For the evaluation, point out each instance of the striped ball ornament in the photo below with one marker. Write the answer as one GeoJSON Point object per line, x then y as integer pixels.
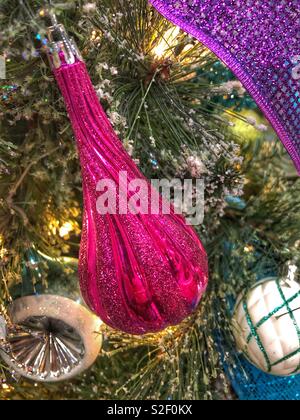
{"type": "Point", "coordinates": [266, 326]}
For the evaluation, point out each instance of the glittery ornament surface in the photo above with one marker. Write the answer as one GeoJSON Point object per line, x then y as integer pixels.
{"type": "Point", "coordinates": [259, 41]}
{"type": "Point", "coordinates": [139, 272]}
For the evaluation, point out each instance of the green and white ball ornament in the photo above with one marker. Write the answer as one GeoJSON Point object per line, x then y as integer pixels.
{"type": "Point", "coordinates": [266, 326]}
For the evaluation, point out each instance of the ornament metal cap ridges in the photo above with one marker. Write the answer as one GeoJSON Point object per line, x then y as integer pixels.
{"type": "Point", "coordinates": [49, 338]}
{"type": "Point", "coordinates": [61, 45]}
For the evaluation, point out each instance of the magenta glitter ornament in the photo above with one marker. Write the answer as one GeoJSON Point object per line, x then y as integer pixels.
{"type": "Point", "coordinates": [259, 40]}
{"type": "Point", "coordinates": [139, 272]}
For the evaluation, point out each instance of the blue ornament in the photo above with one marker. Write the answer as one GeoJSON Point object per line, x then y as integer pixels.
{"type": "Point", "coordinates": [235, 202]}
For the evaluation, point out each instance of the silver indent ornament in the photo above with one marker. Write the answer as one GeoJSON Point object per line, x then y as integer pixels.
{"type": "Point", "coordinates": [50, 338]}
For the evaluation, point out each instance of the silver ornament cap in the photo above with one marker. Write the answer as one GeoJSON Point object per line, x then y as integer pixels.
{"type": "Point", "coordinates": [62, 48]}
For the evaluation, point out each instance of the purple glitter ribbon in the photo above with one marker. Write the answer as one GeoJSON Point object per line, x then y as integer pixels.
{"type": "Point", "coordinates": [259, 40]}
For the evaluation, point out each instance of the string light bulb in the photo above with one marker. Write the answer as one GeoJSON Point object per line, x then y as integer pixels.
{"type": "Point", "coordinates": [168, 41]}
{"type": "Point", "coordinates": [65, 230]}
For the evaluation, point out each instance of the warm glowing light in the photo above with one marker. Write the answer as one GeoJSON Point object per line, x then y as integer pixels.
{"type": "Point", "coordinates": [65, 226]}
{"type": "Point", "coordinates": [249, 248]}
{"type": "Point", "coordinates": [95, 36]}
{"type": "Point", "coordinates": [6, 388]}
{"type": "Point", "coordinates": [65, 229]}
{"type": "Point", "coordinates": [53, 227]}
{"type": "Point", "coordinates": [3, 252]}
{"type": "Point", "coordinates": [164, 47]}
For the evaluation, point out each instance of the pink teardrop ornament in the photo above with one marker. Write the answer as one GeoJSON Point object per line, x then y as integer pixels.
{"type": "Point", "coordinates": [139, 272]}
